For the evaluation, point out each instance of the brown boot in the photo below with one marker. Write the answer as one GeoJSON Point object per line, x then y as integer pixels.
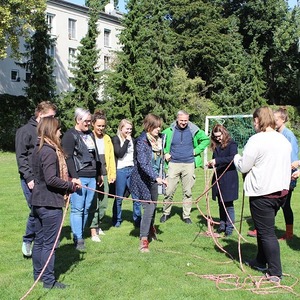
{"type": "Point", "coordinates": [144, 244]}
{"type": "Point", "coordinates": [288, 233]}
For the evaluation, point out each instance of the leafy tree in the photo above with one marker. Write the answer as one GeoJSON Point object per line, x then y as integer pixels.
{"type": "Point", "coordinates": [275, 30]}
{"type": "Point", "coordinates": [16, 19]}
{"type": "Point", "coordinates": [142, 79]}
{"type": "Point", "coordinates": [39, 64]}
{"type": "Point", "coordinates": [190, 95]}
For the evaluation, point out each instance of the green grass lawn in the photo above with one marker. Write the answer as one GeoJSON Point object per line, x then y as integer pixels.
{"type": "Point", "coordinates": [114, 268]}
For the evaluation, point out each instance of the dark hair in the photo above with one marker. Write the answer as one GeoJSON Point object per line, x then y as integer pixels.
{"type": "Point", "coordinates": [225, 139]}
{"type": "Point", "coordinates": [265, 117]}
{"type": "Point", "coordinates": [98, 115]}
{"type": "Point", "coordinates": [47, 128]}
{"type": "Point", "coordinates": [152, 121]}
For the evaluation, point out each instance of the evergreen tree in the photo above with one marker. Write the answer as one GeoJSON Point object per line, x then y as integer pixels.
{"type": "Point", "coordinates": [39, 64]}
{"type": "Point", "coordinates": [87, 78]}
{"type": "Point", "coordinates": [142, 79]}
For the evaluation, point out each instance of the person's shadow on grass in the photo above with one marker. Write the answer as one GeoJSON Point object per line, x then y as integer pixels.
{"type": "Point", "coordinates": [67, 259]}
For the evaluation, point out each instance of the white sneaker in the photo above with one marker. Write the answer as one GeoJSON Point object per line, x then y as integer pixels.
{"type": "Point", "coordinates": [100, 231]}
{"type": "Point", "coordinates": [95, 238]}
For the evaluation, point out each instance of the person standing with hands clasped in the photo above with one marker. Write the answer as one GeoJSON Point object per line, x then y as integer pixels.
{"type": "Point", "coordinates": [48, 198]}
{"type": "Point", "coordinates": [227, 190]}
{"type": "Point", "coordinates": [266, 161]}
{"type": "Point", "coordinates": [183, 147]}
{"type": "Point", "coordinates": [105, 151]}
{"type": "Point", "coordinates": [144, 178]}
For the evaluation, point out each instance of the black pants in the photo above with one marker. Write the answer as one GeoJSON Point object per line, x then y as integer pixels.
{"type": "Point", "coordinates": [47, 223]}
{"type": "Point", "coordinates": [263, 212]}
{"type": "Point", "coordinates": [287, 209]}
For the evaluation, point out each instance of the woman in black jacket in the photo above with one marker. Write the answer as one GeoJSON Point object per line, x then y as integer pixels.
{"type": "Point", "coordinates": [224, 149]}
{"type": "Point", "coordinates": [48, 197]}
{"type": "Point", "coordinates": [82, 161]}
{"type": "Point", "coordinates": [124, 155]}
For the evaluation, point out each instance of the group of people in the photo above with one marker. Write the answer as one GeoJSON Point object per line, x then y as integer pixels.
{"type": "Point", "coordinates": [269, 163]}
{"type": "Point", "coordinates": [87, 160]}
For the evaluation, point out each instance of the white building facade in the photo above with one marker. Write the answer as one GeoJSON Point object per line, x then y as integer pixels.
{"type": "Point", "coordinates": [68, 25]}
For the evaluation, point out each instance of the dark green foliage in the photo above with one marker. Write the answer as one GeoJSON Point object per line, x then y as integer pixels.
{"type": "Point", "coordinates": [41, 84]}
{"type": "Point", "coordinates": [86, 79]}
{"type": "Point", "coordinates": [15, 112]}
{"type": "Point", "coordinates": [142, 80]}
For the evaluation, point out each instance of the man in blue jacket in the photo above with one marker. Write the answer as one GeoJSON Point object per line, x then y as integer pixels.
{"type": "Point", "coordinates": [183, 147]}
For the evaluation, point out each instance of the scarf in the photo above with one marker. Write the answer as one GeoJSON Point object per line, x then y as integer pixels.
{"type": "Point", "coordinates": [63, 169]}
{"type": "Point", "coordinates": [156, 143]}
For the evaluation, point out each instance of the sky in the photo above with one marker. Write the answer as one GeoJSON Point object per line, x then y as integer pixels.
{"type": "Point", "coordinates": [82, 2]}
{"type": "Point", "coordinates": [292, 3]}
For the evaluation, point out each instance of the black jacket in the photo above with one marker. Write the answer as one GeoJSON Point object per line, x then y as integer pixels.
{"type": "Point", "coordinates": [121, 151]}
{"type": "Point", "coordinates": [81, 163]}
{"type": "Point", "coordinates": [25, 141]}
{"type": "Point", "coordinates": [49, 188]}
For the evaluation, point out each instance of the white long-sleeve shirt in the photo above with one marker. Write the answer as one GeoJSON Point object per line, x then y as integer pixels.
{"type": "Point", "coordinates": [267, 161]}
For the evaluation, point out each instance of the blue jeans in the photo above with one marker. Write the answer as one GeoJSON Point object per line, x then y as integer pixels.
{"type": "Point", "coordinates": [122, 182]}
{"type": "Point", "coordinates": [47, 223]}
{"type": "Point", "coordinates": [29, 235]}
{"type": "Point", "coordinates": [81, 201]}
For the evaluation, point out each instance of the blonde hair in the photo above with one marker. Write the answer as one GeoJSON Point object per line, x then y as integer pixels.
{"type": "Point", "coordinates": [121, 125]}
{"type": "Point", "coordinates": [265, 117]}
{"type": "Point", "coordinates": [283, 114]}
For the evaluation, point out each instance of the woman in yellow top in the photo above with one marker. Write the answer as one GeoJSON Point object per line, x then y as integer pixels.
{"type": "Point", "coordinates": [105, 150]}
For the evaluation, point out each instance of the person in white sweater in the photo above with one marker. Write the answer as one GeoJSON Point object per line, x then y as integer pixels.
{"type": "Point", "coordinates": [266, 161]}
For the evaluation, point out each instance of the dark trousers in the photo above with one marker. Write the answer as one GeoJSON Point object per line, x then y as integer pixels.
{"type": "Point", "coordinates": [287, 209]}
{"type": "Point", "coordinates": [263, 212]}
{"type": "Point", "coordinates": [28, 237]}
{"type": "Point", "coordinates": [226, 223]}
{"type": "Point", "coordinates": [149, 211]}
{"type": "Point", "coordinates": [47, 223]}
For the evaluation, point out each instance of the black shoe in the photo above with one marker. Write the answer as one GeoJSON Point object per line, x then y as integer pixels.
{"type": "Point", "coordinates": [254, 264]}
{"type": "Point", "coordinates": [187, 221]}
{"type": "Point", "coordinates": [221, 229]}
{"type": "Point", "coordinates": [55, 285]}
{"type": "Point", "coordinates": [164, 218]}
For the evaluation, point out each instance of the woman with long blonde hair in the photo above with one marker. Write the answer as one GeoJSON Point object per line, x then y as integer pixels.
{"type": "Point", "coordinates": [124, 154]}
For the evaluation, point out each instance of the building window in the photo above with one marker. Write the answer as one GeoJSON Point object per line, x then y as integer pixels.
{"type": "Point", "coordinates": [72, 29]}
{"type": "Point", "coordinates": [51, 51]}
{"type": "Point", "coordinates": [106, 62]}
{"type": "Point", "coordinates": [50, 19]}
{"type": "Point", "coordinates": [106, 37]}
{"type": "Point", "coordinates": [14, 75]}
{"type": "Point", "coordinates": [72, 57]}
{"type": "Point", "coordinates": [27, 77]}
